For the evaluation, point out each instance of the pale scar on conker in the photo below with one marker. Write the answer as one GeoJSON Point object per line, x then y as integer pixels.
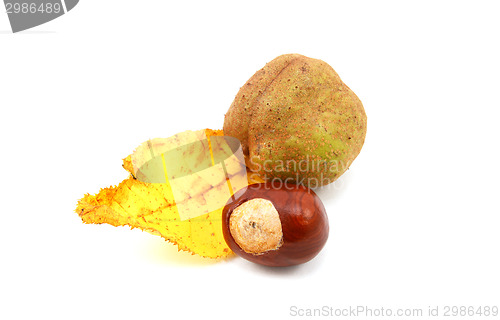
{"type": "Point", "coordinates": [256, 226]}
{"type": "Point", "coordinates": [275, 225]}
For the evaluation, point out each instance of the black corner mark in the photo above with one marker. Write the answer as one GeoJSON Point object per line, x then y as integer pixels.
{"type": "Point", "coordinates": [26, 14]}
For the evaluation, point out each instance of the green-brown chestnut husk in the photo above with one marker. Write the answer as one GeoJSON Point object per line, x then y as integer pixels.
{"type": "Point", "coordinates": [275, 225]}
{"type": "Point", "coordinates": [297, 120]}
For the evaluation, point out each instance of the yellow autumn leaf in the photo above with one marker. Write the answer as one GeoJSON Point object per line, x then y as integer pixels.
{"type": "Point", "coordinates": [151, 207]}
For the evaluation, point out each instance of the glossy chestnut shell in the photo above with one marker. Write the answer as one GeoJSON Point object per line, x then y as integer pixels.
{"type": "Point", "coordinates": [303, 220]}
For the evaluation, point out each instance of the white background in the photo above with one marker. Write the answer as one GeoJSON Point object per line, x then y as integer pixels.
{"type": "Point", "coordinates": [414, 222]}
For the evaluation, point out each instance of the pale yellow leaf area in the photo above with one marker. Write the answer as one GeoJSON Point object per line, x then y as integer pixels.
{"type": "Point", "coordinates": [151, 207]}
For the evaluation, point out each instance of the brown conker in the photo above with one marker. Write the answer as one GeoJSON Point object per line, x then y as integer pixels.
{"type": "Point", "coordinates": [275, 226]}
